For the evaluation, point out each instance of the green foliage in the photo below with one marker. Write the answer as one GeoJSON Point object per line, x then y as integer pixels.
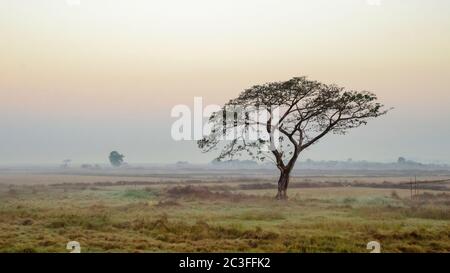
{"type": "Point", "coordinates": [116, 159]}
{"type": "Point", "coordinates": [138, 194]}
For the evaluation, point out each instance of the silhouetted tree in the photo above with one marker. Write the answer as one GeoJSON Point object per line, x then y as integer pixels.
{"type": "Point", "coordinates": [307, 111]}
{"type": "Point", "coordinates": [66, 163]}
{"type": "Point", "coordinates": [401, 160]}
{"type": "Point", "coordinates": [116, 159]}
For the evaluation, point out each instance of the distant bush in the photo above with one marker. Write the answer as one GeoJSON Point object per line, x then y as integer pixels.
{"type": "Point", "coordinates": [167, 203]}
{"type": "Point", "coordinates": [201, 192]}
{"type": "Point", "coordinates": [394, 195]}
{"type": "Point", "coordinates": [257, 186]}
{"type": "Point", "coordinates": [139, 194]}
{"type": "Point", "coordinates": [13, 192]}
{"type": "Point", "coordinates": [27, 222]}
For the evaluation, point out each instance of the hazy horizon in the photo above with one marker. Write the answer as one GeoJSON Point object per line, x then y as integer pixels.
{"type": "Point", "coordinates": [78, 81]}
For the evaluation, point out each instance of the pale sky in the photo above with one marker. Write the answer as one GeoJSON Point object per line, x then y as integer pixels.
{"type": "Point", "coordinates": [77, 81]}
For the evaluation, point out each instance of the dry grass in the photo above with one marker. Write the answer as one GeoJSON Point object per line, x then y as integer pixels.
{"type": "Point", "coordinates": [216, 218]}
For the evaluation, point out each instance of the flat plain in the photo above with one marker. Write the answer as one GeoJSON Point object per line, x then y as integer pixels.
{"type": "Point", "coordinates": [191, 212]}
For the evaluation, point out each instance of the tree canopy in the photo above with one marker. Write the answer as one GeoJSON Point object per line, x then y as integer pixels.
{"type": "Point", "coordinates": [299, 112]}
{"type": "Point", "coordinates": [116, 158]}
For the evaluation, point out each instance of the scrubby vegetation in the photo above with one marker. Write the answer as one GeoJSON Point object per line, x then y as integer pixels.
{"type": "Point", "coordinates": [155, 217]}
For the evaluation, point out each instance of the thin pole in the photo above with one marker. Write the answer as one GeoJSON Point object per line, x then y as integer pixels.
{"type": "Point", "coordinates": [415, 181]}
{"type": "Point", "coordinates": [411, 183]}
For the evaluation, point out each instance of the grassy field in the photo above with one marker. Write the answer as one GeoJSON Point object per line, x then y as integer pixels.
{"type": "Point", "coordinates": [220, 217]}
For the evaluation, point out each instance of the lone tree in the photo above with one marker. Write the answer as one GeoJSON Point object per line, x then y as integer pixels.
{"type": "Point", "coordinates": [116, 159]}
{"type": "Point", "coordinates": [299, 113]}
{"type": "Point", "coordinates": [66, 163]}
{"type": "Point", "coordinates": [401, 160]}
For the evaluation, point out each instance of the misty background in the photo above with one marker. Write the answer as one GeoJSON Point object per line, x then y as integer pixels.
{"type": "Point", "coordinates": [77, 82]}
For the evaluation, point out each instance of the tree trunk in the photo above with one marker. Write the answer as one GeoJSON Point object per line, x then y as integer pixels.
{"type": "Point", "coordinates": [283, 183]}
